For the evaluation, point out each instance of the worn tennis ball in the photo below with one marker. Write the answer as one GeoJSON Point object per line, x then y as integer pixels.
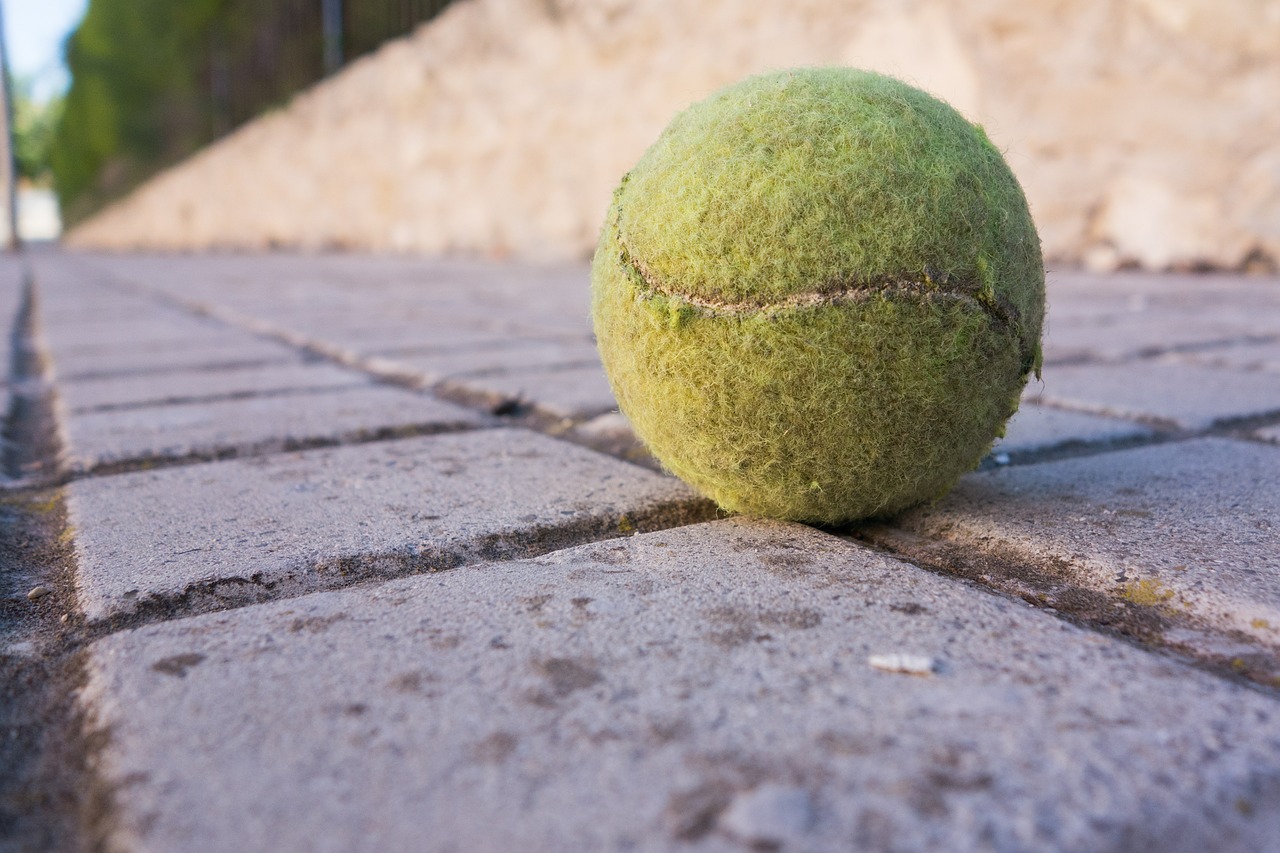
{"type": "Point", "coordinates": [818, 295]}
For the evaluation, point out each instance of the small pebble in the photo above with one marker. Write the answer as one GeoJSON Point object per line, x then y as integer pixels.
{"type": "Point", "coordinates": [38, 593]}
{"type": "Point", "coordinates": [909, 664]}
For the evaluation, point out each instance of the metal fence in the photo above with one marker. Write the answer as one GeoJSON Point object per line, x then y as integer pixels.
{"type": "Point", "coordinates": [270, 49]}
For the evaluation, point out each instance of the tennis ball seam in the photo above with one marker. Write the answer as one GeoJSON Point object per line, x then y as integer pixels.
{"type": "Point", "coordinates": [1000, 311]}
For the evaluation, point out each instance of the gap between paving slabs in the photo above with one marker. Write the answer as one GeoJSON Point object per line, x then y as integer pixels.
{"type": "Point", "coordinates": [51, 751]}
{"type": "Point", "coordinates": [711, 678]}
{"type": "Point", "coordinates": [492, 396]}
{"type": "Point", "coordinates": [1174, 545]}
{"type": "Point", "coordinates": [1012, 569]}
{"type": "Point", "coordinates": [658, 502]}
{"type": "Point", "coordinates": [226, 534]}
{"type": "Point", "coordinates": [43, 736]}
{"type": "Point", "coordinates": [506, 555]}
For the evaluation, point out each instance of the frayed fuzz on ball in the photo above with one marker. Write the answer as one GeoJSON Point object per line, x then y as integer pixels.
{"type": "Point", "coordinates": [818, 296]}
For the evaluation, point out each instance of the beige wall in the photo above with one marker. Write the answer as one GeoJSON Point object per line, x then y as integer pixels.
{"type": "Point", "coordinates": [1144, 131]}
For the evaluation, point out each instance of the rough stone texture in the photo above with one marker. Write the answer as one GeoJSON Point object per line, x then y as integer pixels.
{"type": "Point", "coordinates": [1144, 130]}
{"type": "Point", "coordinates": [704, 686]}
{"type": "Point", "coordinates": [492, 333]}
{"type": "Point", "coordinates": [374, 304]}
{"type": "Point", "coordinates": [1182, 395]}
{"type": "Point", "coordinates": [153, 328]}
{"type": "Point", "coordinates": [1128, 315]}
{"type": "Point", "coordinates": [236, 351]}
{"type": "Point", "coordinates": [204, 535]}
{"type": "Point", "coordinates": [210, 429]}
{"type": "Point", "coordinates": [93, 329]}
{"type": "Point", "coordinates": [188, 386]}
{"type": "Point", "coordinates": [1037, 428]}
{"type": "Point", "coordinates": [1191, 529]}
{"type": "Point", "coordinates": [1240, 356]}
{"type": "Point", "coordinates": [461, 361]}
{"type": "Point", "coordinates": [578, 392]}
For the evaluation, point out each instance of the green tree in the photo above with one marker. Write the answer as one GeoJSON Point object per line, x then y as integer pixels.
{"type": "Point", "coordinates": [153, 80]}
{"type": "Point", "coordinates": [33, 129]}
{"type": "Point", "coordinates": [135, 102]}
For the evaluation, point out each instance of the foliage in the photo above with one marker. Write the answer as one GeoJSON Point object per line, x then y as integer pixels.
{"type": "Point", "coordinates": [132, 102]}
{"type": "Point", "coordinates": [33, 127]}
{"type": "Point", "coordinates": [153, 80]}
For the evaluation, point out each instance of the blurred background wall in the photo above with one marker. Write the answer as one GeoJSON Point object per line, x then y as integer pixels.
{"type": "Point", "coordinates": [1145, 132]}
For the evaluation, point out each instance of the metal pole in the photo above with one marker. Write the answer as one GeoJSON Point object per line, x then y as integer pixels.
{"type": "Point", "coordinates": [331, 23]}
{"type": "Point", "coordinates": [9, 173]}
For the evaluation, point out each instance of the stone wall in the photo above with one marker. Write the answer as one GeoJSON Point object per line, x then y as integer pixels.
{"type": "Point", "coordinates": [1146, 132]}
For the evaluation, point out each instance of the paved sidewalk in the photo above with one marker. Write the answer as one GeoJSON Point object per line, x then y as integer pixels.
{"type": "Point", "coordinates": [357, 555]}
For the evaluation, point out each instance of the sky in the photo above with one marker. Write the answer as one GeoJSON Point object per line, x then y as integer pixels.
{"type": "Point", "coordinates": [34, 31]}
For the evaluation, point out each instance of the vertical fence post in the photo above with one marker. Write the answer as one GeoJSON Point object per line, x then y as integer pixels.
{"type": "Point", "coordinates": [9, 178]}
{"type": "Point", "coordinates": [331, 22]}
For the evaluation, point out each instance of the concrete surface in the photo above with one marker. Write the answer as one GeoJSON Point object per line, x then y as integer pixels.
{"type": "Point", "coordinates": [254, 527]}
{"type": "Point", "coordinates": [1191, 528]}
{"type": "Point", "coordinates": [170, 387]}
{"type": "Point", "coordinates": [1035, 428]}
{"type": "Point", "coordinates": [310, 587]}
{"type": "Point", "coordinates": [226, 427]}
{"type": "Point", "coordinates": [705, 687]}
{"type": "Point", "coordinates": [1184, 396]}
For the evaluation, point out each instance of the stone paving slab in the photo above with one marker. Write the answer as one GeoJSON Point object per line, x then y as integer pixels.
{"type": "Point", "coordinates": [516, 357]}
{"type": "Point", "coordinates": [1120, 316]}
{"type": "Point", "coordinates": [230, 352]}
{"type": "Point", "coordinates": [1128, 336]}
{"type": "Point", "coordinates": [571, 392]}
{"type": "Point", "coordinates": [398, 293]}
{"type": "Point", "coordinates": [702, 688]}
{"type": "Point", "coordinates": [1037, 428]}
{"type": "Point", "coordinates": [248, 529]}
{"type": "Point", "coordinates": [1248, 356]}
{"type": "Point", "coordinates": [1182, 395]}
{"type": "Point", "coordinates": [211, 429]}
{"type": "Point", "coordinates": [1190, 529]}
{"type": "Point", "coordinates": [1076, 294]}
{"type": "Point", "coordinates": [155, 328]}
{"type": "Point", "coordinates": [131, 391]}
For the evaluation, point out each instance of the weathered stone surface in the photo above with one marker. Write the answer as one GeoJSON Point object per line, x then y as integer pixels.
{"type": "Point", "coordinates": [1244, 356]}
{"type": "Point", "coordinates": [370, 305]}
{"type": "Point", "coordinates": [132, 391]}
{"type": "Point", "coordinates": [1129, 315]}
{"type": "Point", "coordinates": [1165, 391]}
{"type": "Point", "coordinates": [1143, 130]}
{"type": "Point", "coordinates": [210, 429]}
{"type": "Point", "coordinates": [1190, 530]}
{"type": "Point", "coordinates": [1038, 428]}
{"type": "Point", "coordinates": [230, 353]}
{"type": "Point", "coordinates": [144, 330]}
{"type": "Point", "coordinates": [573, 392]}
{"type": "Point", "coordinates": [509, 357]}
{"type": "Point", "coordinates": [203, 535]}
{"type": "Point", "coordinates": [702, 686]}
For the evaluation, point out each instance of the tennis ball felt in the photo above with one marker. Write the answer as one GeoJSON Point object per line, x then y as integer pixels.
{"type": "Point", "coordinates": [818, 295]}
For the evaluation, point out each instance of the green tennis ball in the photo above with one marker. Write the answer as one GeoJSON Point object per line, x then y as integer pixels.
{"type": "Point", "coordinates": [818, 295]}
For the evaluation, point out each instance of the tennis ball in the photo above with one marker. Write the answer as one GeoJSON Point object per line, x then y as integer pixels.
{"type": "Point", "coordinates": [818, 295]}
